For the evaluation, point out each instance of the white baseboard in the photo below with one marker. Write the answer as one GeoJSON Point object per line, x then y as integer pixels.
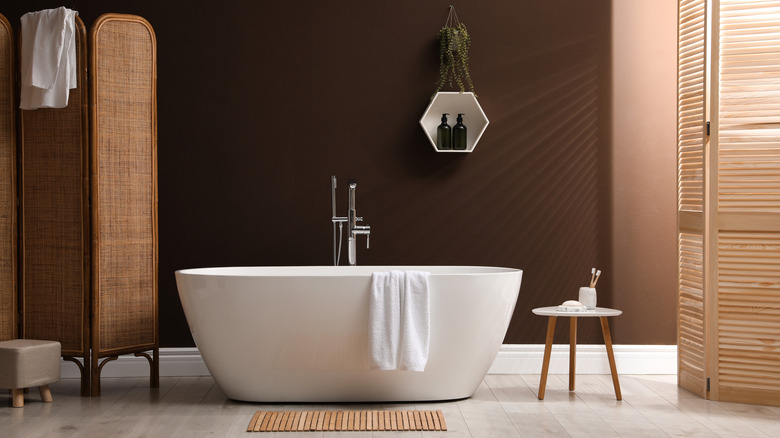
{"type": "Point", "coordinates": [511, 359]}
{"type": "Point", "coordinates": [591, 359]}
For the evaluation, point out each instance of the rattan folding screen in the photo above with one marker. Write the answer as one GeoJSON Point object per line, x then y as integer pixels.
{"type": "Point", "coordinates": [123, 104]}
{"type": "Point", "coordinates": [54, 227]}
{"type": "Point", "coordinates": [7, 185]}
{"type": "Point", "coordinates": [88, 228]}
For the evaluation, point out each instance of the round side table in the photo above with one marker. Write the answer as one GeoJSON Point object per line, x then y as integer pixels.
{"type": "Point", "coordinates": [552, 313]}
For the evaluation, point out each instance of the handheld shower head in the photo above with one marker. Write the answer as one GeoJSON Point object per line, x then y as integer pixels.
{"type": "Point", "coordinates": [333, 195]}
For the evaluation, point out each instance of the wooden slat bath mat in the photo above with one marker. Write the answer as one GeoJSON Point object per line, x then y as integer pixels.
{"type": "Point", "coordinates": [298, 421]}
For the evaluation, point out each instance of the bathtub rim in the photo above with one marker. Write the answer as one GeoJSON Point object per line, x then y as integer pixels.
{"type": "Point", "coordinates": [342, 271]}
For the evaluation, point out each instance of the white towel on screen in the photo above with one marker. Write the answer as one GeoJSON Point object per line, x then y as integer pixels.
{"type": "Point", "coordinates": [48, 58]}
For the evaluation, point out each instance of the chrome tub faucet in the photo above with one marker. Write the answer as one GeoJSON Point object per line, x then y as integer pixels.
{"type": "Point", "coordinates": [351, 220]}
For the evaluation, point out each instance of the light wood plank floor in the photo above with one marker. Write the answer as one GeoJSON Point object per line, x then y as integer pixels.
{"type": "Point", "coordinates": [503, 406]}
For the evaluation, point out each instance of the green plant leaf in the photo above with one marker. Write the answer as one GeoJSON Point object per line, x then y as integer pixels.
{"type": "Point", "coordinates": [454, 45]}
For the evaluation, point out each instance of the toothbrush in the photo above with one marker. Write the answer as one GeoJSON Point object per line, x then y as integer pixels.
{"type": "Point", "coordinates": [592, 276]}
{"type": "Point", "coordinates": [595, 279]}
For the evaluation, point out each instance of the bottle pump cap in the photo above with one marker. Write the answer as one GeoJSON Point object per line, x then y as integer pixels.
{"type": "Point", "coordinates": [460, 116]}
{"type": "Point", "coordinates": [444, 117]}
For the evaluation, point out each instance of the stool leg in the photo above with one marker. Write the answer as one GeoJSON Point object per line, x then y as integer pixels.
{"type": "Point", "coordinates": [572, 350]}
{"type": "Point", "coordinates": [547, 352]}
{"type": "Point", "coordinates": [610, 356]}
{"type": "Point", "coordinates": [45, 393]}
{"type": "Point", "coordinates": [18, 396]}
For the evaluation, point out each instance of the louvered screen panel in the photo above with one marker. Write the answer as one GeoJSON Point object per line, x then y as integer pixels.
{"type": "Point", "coordinates": [691, 313]}
{"type": "Point", "coordinates": [749, 317]}
{"type": "Point", "coordinates": [749, 202]}
{"type": "Point", "coordinates": [124, 185]}
{"type": "Point", "coordinates": [53, 171]}
{"type": "Point", "coordinates": [749, 114]}
{"type": "Point", "coordinates": [7, 185]}
{"type": "Point", "coordinates": [690, 99]}
{"type": "Point", "coordinates": [690, 179]}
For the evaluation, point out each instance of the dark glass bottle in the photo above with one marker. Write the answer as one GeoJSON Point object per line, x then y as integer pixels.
{"type": "Point", "coordinates": [459, 134]}
{"type": "Point", "coordinates": [444, 134]}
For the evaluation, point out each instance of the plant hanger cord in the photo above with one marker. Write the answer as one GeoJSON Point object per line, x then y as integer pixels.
{"type": "Point", "coordinates": [452, 18]}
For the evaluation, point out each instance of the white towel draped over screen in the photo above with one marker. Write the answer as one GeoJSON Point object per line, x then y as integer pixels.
{"type": "Point", "coordinates": [399, 320]}
{"type": "Point", "coordinates": [48, 58]}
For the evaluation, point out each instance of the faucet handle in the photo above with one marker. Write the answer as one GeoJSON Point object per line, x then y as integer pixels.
{"type": "Point", "coordinates": [364, 230]}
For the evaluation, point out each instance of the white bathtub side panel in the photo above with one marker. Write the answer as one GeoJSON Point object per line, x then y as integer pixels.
{"type": "Point", "coordinates": [305, 338]}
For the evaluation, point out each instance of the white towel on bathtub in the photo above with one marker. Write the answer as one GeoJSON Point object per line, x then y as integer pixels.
{"type": "Point", "coordinates": [399, 320]}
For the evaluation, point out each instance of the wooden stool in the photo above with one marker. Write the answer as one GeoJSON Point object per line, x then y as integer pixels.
{"type": "Point", "coordinates": [25, 363]}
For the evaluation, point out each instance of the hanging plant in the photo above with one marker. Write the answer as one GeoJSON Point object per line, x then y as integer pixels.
{"type": "Point", "coordinates": [454, 44]}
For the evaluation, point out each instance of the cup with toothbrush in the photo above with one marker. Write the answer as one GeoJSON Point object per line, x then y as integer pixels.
{"type": "Point", "coordinates": [588, 294]}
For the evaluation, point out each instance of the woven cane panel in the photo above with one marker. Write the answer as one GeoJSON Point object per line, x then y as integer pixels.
{"type": "Point", "coordinates": [7, 187]}
{"type": "Point", "coordinates": [53, 171]}
{"type": "Point", "coordinates": [125, 184]}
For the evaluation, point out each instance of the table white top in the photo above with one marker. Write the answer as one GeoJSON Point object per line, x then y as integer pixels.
{"type": "Point", "coordinates": [599, 311]}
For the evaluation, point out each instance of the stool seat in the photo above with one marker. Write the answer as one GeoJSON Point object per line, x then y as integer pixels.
{"type": "Point", "coordinates": [27, 363]}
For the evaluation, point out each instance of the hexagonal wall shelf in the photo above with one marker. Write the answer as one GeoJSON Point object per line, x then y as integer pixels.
{"type": "Point", "coordinates": [454, 103]}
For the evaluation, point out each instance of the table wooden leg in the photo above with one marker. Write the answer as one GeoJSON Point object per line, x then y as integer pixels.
{"type": "Point", "coordinates": [572, 350]}
{"type": "Point", "coordinates": [547, 351]}
{"type": "Point", "coordinates": [610, 355]}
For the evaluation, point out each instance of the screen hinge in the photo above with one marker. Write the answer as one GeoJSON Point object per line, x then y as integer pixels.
{"type": "Point", "coordinates": [708, 127]}
{"type": "Point", "coordinates": [708, 384]}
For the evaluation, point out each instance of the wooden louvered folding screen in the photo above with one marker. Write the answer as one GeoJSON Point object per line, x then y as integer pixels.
{"type": "Point", "coordinates": [747, 123]}
{"type": "Point", "coordinates": [735, 260]}
{"type": "Point", "coordinates": [691, 146]}
{"type": "Point", "coordinates": [8, 231]}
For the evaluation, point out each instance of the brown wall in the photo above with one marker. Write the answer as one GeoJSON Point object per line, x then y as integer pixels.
{"type": "Point", "coordinates": [644, 169]}
{"type": "Point", "coordinates": [260, 102]}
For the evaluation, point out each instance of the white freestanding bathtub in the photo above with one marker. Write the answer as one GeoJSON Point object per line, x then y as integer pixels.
{"type": "Point", "coordinates": [300, 334]}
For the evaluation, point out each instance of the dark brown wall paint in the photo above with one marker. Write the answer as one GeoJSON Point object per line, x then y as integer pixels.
{"type": "Point", "coordinates": [260, 102]}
